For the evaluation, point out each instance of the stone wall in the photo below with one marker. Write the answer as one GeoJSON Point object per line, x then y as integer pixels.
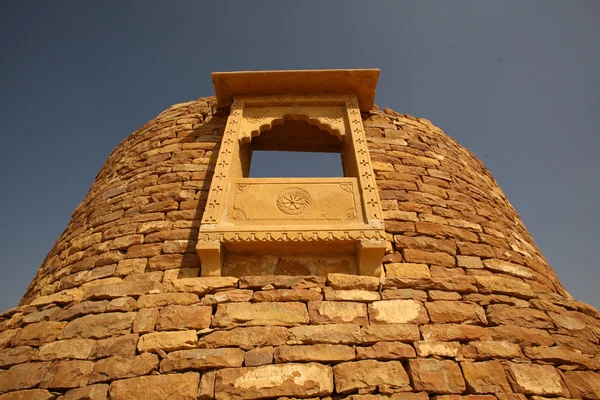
{"type": "Point", "coordinates": [468, 305]}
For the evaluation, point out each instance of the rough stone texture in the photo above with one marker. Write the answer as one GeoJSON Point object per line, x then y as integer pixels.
{"type": "Point", "coordinates": [302, 380]}
{"type": "Point", "coordinates": [119, 299]}
{"type": "Point", "coordinates": [157, 387]}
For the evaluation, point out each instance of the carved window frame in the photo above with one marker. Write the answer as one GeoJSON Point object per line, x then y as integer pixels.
{"type": "Point", "coordinates": [249, 116]}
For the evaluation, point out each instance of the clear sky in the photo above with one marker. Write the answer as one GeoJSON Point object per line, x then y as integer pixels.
{"type": "Point", "coordinates": [516, 82]}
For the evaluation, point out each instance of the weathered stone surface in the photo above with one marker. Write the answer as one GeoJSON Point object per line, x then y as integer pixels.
{"type": "Point", "coordinates": [434, 295]}
{"type": "Point", "coordinates": [393, 396]}
{"type": "Point", "coordinates": [199, 359]}
{"type": "Point", "coordinates": [425, 243]}
{"type": "Point", "coordinates": [508, 268]}
{"type": "Point", "coordinates": [117, 367]}
{"type": "Point", "coordinates": [67, 375]}
{"type": "Point", "coordinates": [503, 285]}
{"type": "Point", "coordinates": [204, 285]}
{"type": "Point", "coordinates": [282, 282]}
{"type": "Point", "coordinates": [317, 353]}
{"type": "Point", "coordinates": [33, 394]}
{"type": "Point", "coordinates": [16, 355]}
{"type": "Point", "coordinates": [451, 332]}
{"type": "Point", "coordinates": [132, 285]}
{"type": "Point", "coordinates": [145, 320]}
{"type": "Point", "coordinates": [404, 294]}
{"type": "Point", "coordinates": [166, 299]}
{"type": "Point", "coordinates": [258, 356]}
{"type": "Point", "coordinates": [259, 336]}
{"type": "Point", "coordinates": [543, 380]}
{"type": "Point", "coordinates": [443, 312]}
{"type": "Point", "coordinates": [157, 387]}
{"type": "Point", "coordinates": [38, 333]}
{"type": "Point", "coordinates": [351, 295]}
{"type": "Point", "coordinates": [70, 348]}
{"type": "Point", "coordinates": [436, 376]}
{"type": "Point", "coordinates": [91, 392]}
{"type": "Point", "coordinates": [522, 336]}
{"type": "Point", "coordinates": [492, 349]}
{"type": "Point", "coordinates": [397, 312]}
{"type": "Point", "coordinates": [228, 296]}
{"type": "Point", "coordinates": [351, 376]}
{"type": "Point", "coordinates": [390, 332]}
{"type": "Point", "coordinates": [501, 314]}
{"type": "Point", "coordinates": [385, 351]}
{"type": "Point", "coordinates": [337, 312]}
{"type": "Point", "coordinates": [350, 282]}
{"type": "Point", "coordinates": [485, 377]}
{"type": "Point", "coordinates": [167, 341]}
{"type": "Point", "coordinates": [99, 326]}
{"type": "Point", "coordinates": [428, 348]}
{"type": "Point", "coordinates": [470, 262]}
{"type": "Point", "coordinates": [303, 295]}
{"type": "Point", "coordinates": [184, 317]}
{"type": "Point", "coordinates": [407, 270]}
{"type": "Point", "coordinates": [284, 314]}
{"type": "Point", "coordinates": [83, 308]}
{"type": "Point", "coordinates": [206, 390]}
{"type": "Point", "coordinates": [22, 376]}
{"type": "Point", "coordinates": [587, 383]}
{"type": "Point", "coordinates": [123, 346]}
{"type": "Point", "coordinates": [48, 314]}
{"type": "Point", "coordinates": [334, 334]}
{"type": "Point", "coordinates": [429, 258]}
{"type": "Point", "coordinates": [301, 380]}
{"type": "Point", "coordinates": [7, 335]}
{"type": "Point", "coordinates": [558, 355]}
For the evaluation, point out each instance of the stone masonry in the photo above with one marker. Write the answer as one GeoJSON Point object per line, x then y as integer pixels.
{"type": "Point", "coordinates": [467, 308]}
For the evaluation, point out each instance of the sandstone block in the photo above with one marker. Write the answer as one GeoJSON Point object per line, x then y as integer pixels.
{"type": "Point", "coordinates": [390, 332]}
{"type": "Point", "coordinates": [38, 333]}
{"type": "Point", "coordinates": [157, 387]}
{"type": "Point", "coordinates": [337, 312]}
{"type": "Point", "coordinates": [523, 336]}
{"type": "Point", "coordinates": [542, 380]}
{"type": "Point", "coordinates": [167, 341]}
{"type": "Point", "coordinates": [259, 356]}
{"type": "Point", "coordinates": [485, 377]}
{"type": "Point", "coordinates": [351, 376]}
{"type": "Point", "coordinates": [83, 308]}
{"type": "Point", "coordinates": [492, 349]}
{"type": "Point", "coordinates": [501, 314]}
{"type": "Point", "coordinates": [204, 285]}
{"type": "Point", "coordinates": [407, 270]}
{"type": "Point", "coordinates": [99, 326]}
{"type": "Point", "coordinates": [184, 317]}
{"type": "Point", "coordinates": [503, 285]}
{"type": "Point", "coordinates": [145, 320]}
{"type": "Point", "coordinates": [349, 282]}
{"type": "Point", "coordinates": [404, 294]}
{"type": "Point", "coordinates": [435, 229]}
{"type": "Point", "coordinates": [559, 355]}
{"type": "Point", "coordinates": [144, 250]}
{"type": "Point", "coordinates": [470, 262]}
{"type": "Point", "coordinates": [165, 262]}
{"type": "Point", "coordinates": [258, 336]}
{"type": "Point", "coordinates": [452, 332]}
{"type": "Point", "coordinates": [298, 380]}
{"type": "Point", "coordinates": [132, 285]}
{"type": "Point", "coordinates": [434, 295]}
{"type": "Point", "coordinates": [91, 392]}
{"type": "Point", "coordinates": [228, 296]}
{"type": "Point", "coordinates": [397, 312]}
{"type": "Point", "coordinates": [166, 299]}
{"type": "Point", "coordinates": [16, 355]}
{"type": "Point", "coordinates": [123, 346]}
{"type": "Point", "coordinates": [117, 367]}
{"type": "Point", "coordinates": [333, 334]}
{"type": "Point", "coordinates": [509, 268]}
{"type": "Point", "coordinates": [200, 359]}
{"type": "Point", "coordinates": [351, 295]}
{"type": "Point", "coordinates": [444, 312]}
{"type": "Point", "coordinates": [319, 353]}
{"type": "Point", "coordinates": [70, 348]}
{"type": "Point", "coordinates": [284, 314]}
{"type": "Point", "coordinates": [303, 295]}
{"type": "Point", "coordinates": [385, 351]}
{"type": "Point", "coordinates": [587, 383]}
{"type": "Point", "coordinates": [206, 390]}
{"type": "Point", "coordinates": [67, 375]}
{"type": "Point", "coordinates": [428, 348]}
{"type": "Point", "coordinates": [425, 243]}
{"type": "Point", "coordinates": [23, 376]}
{"type": "Point", "coordinates": [436, 376]}
{"type": "Point", "coordinates": [429, 258]}
{"type": "Point", "coordinates": [33, 394]}
{"type": "Point", "coordinates": [131, 266]}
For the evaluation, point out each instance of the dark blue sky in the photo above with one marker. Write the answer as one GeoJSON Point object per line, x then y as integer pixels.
{"type": "Point", "coordinates": [516, 82]}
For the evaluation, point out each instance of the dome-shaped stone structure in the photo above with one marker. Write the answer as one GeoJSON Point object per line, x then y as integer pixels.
{"type": "Point", "coordinates": [466, 304]}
